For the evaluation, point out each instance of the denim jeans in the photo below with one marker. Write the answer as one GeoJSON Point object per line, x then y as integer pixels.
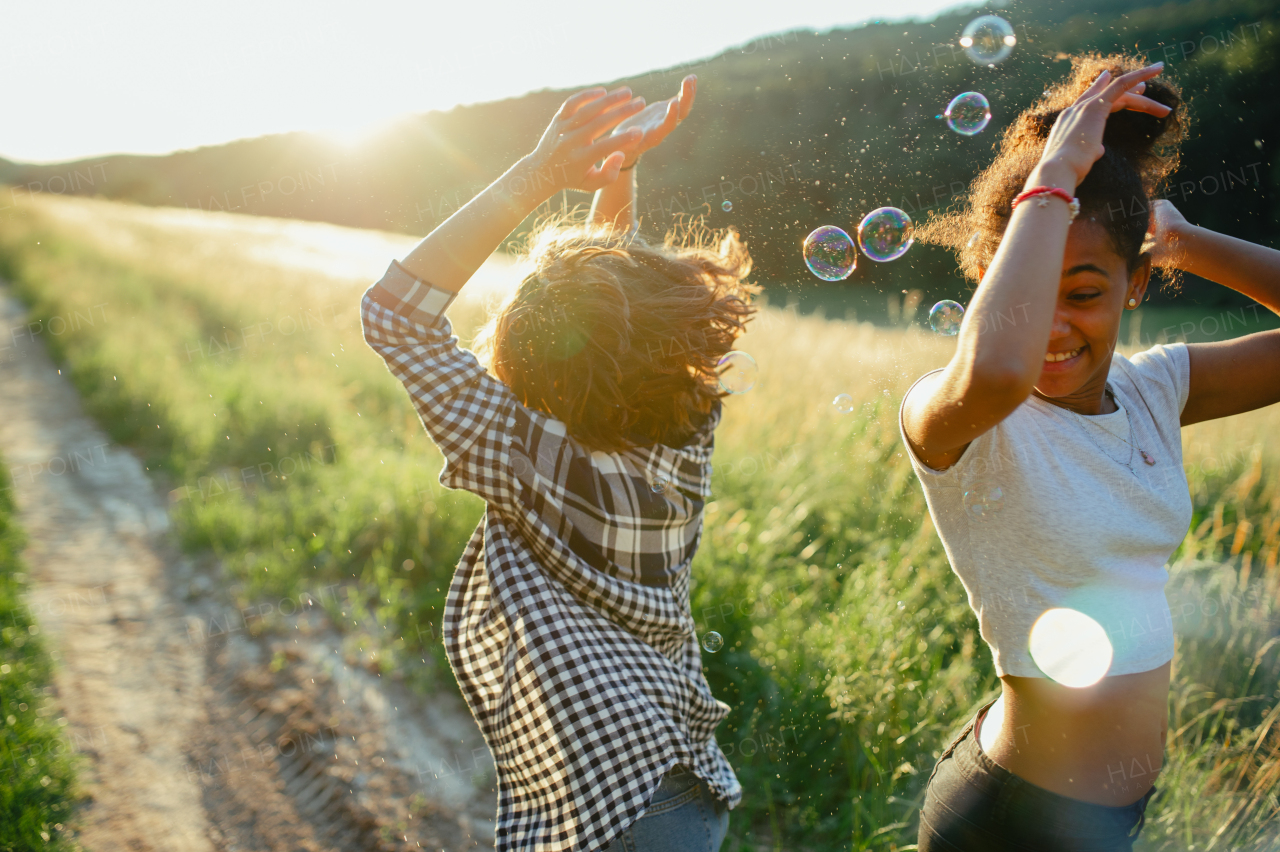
{"type": "Point", "coordinates": [973, 803]}
{"type": "Point", "coordinates": [683, 816]}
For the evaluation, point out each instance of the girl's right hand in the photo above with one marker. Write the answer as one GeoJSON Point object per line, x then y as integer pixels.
{"type": "Point", "coordinates": [1075, 142]}
{"type": "Point", "coordinates": [578, 138]}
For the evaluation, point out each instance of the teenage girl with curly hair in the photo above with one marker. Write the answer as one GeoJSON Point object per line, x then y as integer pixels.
{"type": "Point", "coordinates": [1061, 232]}
{"type": "Point", "coordinates": [567, 623]}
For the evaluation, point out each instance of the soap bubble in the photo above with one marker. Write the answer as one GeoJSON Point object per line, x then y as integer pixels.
{"type": "Point", "coordinates": [901, 605]}
{"type": "Point", "coordinates": [843, 403]}
{"type": "Point", "coordinates": [829, 253]}
{"type": "Point", "coordinates": [945, 317]}
{"type": "Point", "coordinates": [885, 234]}
{"type": "Point", "coordinates": [988, 39]}
{"type": "Point", "coordinates": [737, 371]}
{"type": "Point", "coordinates": [659, 484]}
{"type": "Point", "coordinates": [712, 641]}
{"type": "Point", "coordinates": [727, 207]}
{"type": "Point", "coordinates": [968, 113]}
{"type": "Point", "coordinates": [983, 500]}
{"type": "Point", "coordinates": [1070, 647]}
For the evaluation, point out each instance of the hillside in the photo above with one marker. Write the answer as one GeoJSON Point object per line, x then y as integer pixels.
{"type": "Point", "coordinates": [796, 130]}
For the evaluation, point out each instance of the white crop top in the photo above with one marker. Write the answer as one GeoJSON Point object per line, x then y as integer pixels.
{"type": "Point", "coordinates": [1051, 509]}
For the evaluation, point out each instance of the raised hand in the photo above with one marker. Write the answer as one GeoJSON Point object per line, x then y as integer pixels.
{"type": "Point", "coordinates": [1075, 141]}
{"type": "Point", "coordinates": [657, 120]}
{"type": "Point", "coordinates": [1164, 234]}
{"type": "Point", "coordinates": [578, 139]}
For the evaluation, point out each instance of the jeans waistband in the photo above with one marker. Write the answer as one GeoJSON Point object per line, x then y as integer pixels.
{"type": "Point", "coordinates": [1014, 794]}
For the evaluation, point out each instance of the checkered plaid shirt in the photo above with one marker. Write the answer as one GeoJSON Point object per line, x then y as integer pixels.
{"type": "Point", "coordinates": [567, 623]}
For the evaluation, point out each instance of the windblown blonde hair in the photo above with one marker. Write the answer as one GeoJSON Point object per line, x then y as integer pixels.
{"type": "Point", "coordinates": [619, 338]}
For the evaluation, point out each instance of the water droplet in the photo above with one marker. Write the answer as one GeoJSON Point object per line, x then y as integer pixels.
{"type": "Point", "coordinates": [737, 371]}
{"type": "Point", "coordinates": [885, 234]}
{"type": "Point", "coordinates": [712, 641]}
{"type": "Point", "coordinates": [945, 317]}
{"type": "Point", "coordinates": [968, 113]}
{"type": "Point", "coordinates": [829, 253]}
{"type": "Point", "coordinates": [843, 403]}
{"type": "Point", "coordinates": [988, 40]}
{"type": "Point", "coordinates": [727, 207]}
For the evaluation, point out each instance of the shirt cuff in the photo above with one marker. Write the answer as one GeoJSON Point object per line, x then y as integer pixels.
{"type": "Point", "coordinates": [418, 301]}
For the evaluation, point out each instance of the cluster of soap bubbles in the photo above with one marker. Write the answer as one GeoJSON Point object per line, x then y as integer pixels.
{"type": "Point", "coordinates": [884, 234]}
{"type": "Point", "coordinates": [987, 40]}
{"type": "Point", "coordinates": [737, 371]}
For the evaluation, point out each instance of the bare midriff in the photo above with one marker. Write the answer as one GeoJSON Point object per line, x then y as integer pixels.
{"type": "Point", "coordinates": [1102, 744]}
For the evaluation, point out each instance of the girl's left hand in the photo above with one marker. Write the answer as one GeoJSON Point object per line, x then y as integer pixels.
{"type": "Point", "coordinates": [1163, 233]}
{"type": "Point", "coordinates": [659, 119]}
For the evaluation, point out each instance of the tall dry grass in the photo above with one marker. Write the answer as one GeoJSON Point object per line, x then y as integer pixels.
{"type": "Point", "coordinates": [850, 654]}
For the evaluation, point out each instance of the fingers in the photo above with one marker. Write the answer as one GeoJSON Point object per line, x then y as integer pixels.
{"type": "Point", "coordinates": [609, 118]}
{"type": "Point", "coordinates": [688, 91]}
{"type": "Point", "coordinates": [574, 102]}
{"type": "Point", "coordinates": [1122, 84]}
{"type": "Point", "coordinates": [589, 111]}
{"type": "Point", "coordinates": [672, 118]}
{"type": "Point", "coordinates": [1099, 83]}
{"type": "Point", "coordinates": [624, 142]}
{"type": "Point", "coordinates": [1140, 104]}
{"type": "Point", "coordinates": [605, 173]}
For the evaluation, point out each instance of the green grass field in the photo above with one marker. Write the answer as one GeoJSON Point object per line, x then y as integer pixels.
{"type": "Point", "coordinates": [850, 653]}
{"type": "Point", "coordinates": [37, 767]}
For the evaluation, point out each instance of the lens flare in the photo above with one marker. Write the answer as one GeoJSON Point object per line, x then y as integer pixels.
{"type": "Point", "coordinates": [1070, 647]}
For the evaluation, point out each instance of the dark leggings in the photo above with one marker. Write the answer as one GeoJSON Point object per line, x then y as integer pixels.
{"type": "Point", "coordinates": [972, 803]}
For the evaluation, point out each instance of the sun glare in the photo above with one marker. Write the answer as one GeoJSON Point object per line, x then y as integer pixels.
{"type": "Point", "coordinates": [354, 133]}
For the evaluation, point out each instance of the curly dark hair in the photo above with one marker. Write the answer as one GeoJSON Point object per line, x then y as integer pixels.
{"type": "Point", "coordinates": [620, 339]}
{"type": "Point", "coordinates": [1141, 152]}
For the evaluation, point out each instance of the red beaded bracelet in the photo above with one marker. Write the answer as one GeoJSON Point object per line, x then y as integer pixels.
{"type": "Point", "coordinates": [1043, 191]}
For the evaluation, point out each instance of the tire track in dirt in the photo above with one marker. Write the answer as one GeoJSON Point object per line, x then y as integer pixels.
{"type": "Point", "coordinates": [193, 741]}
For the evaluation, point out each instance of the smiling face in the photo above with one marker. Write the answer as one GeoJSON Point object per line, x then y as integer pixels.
{"type": "Point", "coordinates": [1093, 294]}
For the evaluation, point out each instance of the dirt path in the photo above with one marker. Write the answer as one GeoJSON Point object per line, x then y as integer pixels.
{"type": "Point", "coordinates": [196, 736]}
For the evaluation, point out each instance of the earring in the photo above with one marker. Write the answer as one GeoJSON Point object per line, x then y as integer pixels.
{"type": "Point", "coordinates": [1133, 303]}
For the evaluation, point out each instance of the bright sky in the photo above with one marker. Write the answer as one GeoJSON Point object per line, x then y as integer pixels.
{"type": "Point", "coordinates": [83, 79]}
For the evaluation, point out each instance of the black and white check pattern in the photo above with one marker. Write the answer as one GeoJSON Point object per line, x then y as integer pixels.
{"type": "Point", "coordinates": [567, 623]}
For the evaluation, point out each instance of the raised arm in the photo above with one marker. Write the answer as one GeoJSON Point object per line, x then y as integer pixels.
{"type": "Point", "coordinates": [566, 158]}
{"type": "Point", "coordinates": [1229, 376]}
{"type": "Point", "coordinates": [615, 203]}
{"type": "Point", "coordinates": [997, 363]}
